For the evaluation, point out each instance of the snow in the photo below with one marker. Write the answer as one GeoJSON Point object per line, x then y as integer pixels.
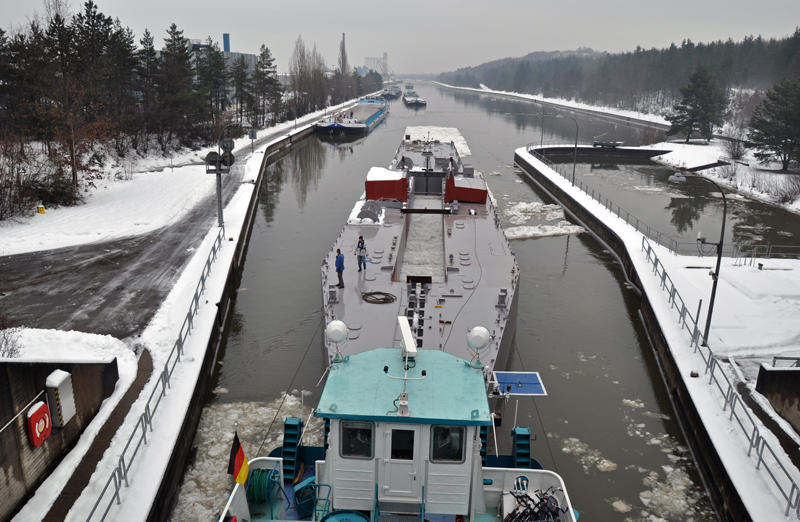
{"type": "Point", "coordinates": [755, 316]}
{"type": "Point", "coordinates": [55, 345]}
{"type": "Point", "coordinates": [353, 218]}
{"type": "Point", "coordinates": [117, 209]}
{"type": "Point", "coordinates": [382, 174]}
{"type": "Point", "coordinates": [47, 345]}
{"type": "Point", "coordinates": [566, 103]}
{"type": "Point", "coordinates": [55, 379]}
{"type": "Point", "coordinates": [443, 134]}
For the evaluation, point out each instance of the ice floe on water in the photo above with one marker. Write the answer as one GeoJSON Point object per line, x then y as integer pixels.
{"type": "Point", "coordinates": [206, 483]}
{"type": "Point", "coordinates": [632, 403]}
{"type": "Point", "coordinates": [621, 506]}
{"type": "Point", "coordinates": [560, 229]}
{"type": "Point", "coordinates": [586, 456]}
{"type": "Point", "coordinates": [669, 493]}
{"type": "Point", "coordinates": [519, 213]}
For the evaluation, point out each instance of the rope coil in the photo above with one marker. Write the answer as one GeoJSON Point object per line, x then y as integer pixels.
{"type": "Point", "coordinates": [378, 297]}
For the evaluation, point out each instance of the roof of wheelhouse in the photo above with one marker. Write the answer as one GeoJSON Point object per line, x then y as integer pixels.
{"type": "Point", "coordinates": [453, 391]}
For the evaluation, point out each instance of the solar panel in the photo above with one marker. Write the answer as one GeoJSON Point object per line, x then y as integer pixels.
{"type": "Point", "coordinates": [520, 383]}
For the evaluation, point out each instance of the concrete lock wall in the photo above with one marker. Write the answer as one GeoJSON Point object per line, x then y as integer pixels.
{"type": "Point", "coordinates": [168, 491]}
{"type": "Point", "coordinates": [723, 494]}
{"type": "Point", "coordinates": [782, 387]}
{"type": "Point", "coordinates": [25, 466]}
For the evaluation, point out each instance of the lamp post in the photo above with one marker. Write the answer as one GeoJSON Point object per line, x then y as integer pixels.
{"type": "Point", "coordinates": [575, 152]}
{"type": "Point", "coordinates": [702, 241]}
{"type": "Point", "coordinates": [543, 114]}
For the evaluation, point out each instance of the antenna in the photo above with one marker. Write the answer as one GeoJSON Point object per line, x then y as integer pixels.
{"type": "Point", "coordinates": [409, 345]}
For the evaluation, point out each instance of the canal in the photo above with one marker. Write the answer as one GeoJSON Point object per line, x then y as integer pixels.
{"type": "Point", "coordinates": [607, 424]}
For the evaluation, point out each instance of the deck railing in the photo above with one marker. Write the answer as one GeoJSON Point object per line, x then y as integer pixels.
{"type": "Point", "coordinates": [138, 437]}
{"type": "Point", "coordinates": [764, 454]}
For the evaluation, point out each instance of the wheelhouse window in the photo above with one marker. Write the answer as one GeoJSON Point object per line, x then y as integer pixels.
{"type": "Point", "coordinates": [402, 445]}
{"type": "Point", "coordinates": [447, 443]}
{"type": "Point", "coordinates": [357, 439]}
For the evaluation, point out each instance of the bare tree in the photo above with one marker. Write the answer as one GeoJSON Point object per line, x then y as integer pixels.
{"type": "Point", "coordinates": [345, 82]}
{"type": "Point", "coordinates": [298, 77]}
{"type": "Point", "coordinates": [9, 337]}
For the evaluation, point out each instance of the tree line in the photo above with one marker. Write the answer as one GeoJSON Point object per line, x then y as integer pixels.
{"type": "Point", "coordinates": [642, 79]}
{"type": "Point", "coordinates": [76, 89]}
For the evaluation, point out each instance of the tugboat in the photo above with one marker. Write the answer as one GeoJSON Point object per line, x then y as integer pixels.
{"type": "Point", "coordinates": [359, 119]}
{"type": "Point", "coordinates": [406, 433]}
{"type": "Point", "coordinates": [412, 99]}
{"type": "Point", "coordinates": [435, 253]}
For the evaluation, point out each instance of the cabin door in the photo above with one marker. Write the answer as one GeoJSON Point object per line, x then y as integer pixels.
{"type": "Point", "coordinates": [402, 461]}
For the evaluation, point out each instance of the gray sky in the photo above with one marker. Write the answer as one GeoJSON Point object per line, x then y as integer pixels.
{"type": "Point", "coordinates": [431, 36]}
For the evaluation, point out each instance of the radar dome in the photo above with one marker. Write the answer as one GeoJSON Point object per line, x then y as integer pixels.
{"type": "Point", "coordinates": [337, 331]}
{"type": "Point", "coordinates": [479, 338]}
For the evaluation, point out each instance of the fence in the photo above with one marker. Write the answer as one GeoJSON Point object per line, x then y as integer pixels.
{"type": "Point", "coordinates": [731, 399]}
{"type": "Point", "coordinates": [742, 253]}
{"type": "Point", "coordinates": [139, 435]}
{"type": "Point", "coordinates": [565, 171]}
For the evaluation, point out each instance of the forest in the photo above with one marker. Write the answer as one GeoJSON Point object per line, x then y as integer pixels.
{"type": "Point", "coordinates": [78, 91]}
{"type": "Point", "coordinates": [642, 80]}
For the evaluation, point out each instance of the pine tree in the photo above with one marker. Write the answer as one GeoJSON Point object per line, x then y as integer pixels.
{"type": "Point", "coordinates": [211, 74]}
{"type": "Point", "coordinates": [242, 91]}
{"type": "Point", "coordinates": [701, 108]}
{"type": "Point", "coordinates": [775, 125]}
{"type": "Point", "coordinates": [266, 86]}
{"type": "Point", "coordinates": [146, 71]}
{"type": "Point", "coordinates": [178, 100]}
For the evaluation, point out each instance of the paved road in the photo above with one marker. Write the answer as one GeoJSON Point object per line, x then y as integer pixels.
{"type": "Point", "coordinates": [112, 287]}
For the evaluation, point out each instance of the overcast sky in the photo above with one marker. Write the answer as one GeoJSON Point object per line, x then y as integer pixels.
{"type": "Point", "coordinates": [431, 36]}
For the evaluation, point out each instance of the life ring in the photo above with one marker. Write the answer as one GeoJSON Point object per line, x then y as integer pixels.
{"type": "Point", "coordinates": [39, 423]}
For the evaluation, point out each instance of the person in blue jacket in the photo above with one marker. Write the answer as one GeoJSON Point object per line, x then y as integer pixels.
{"type": "Point", "coordinates": [339, 267]}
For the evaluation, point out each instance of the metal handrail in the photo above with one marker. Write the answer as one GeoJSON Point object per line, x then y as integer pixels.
{"type": "Point", "coordinates": [119, 474]}
{"type": "Point", "coordinates": [736, 251]}
{"type": "Point", "coordinates": [773, 465]}
{"type": "Point", "coordinates": [612, 207]}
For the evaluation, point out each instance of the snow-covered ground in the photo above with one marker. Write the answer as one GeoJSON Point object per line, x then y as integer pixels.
{"type": "Point", "coordinates": [755, 317]}
{"type": "Point", "coordinates": [566, 103]}
{"type": "Point", "coordinates": [131, 198]}
{"type": "Point", "coordinates": [158, 195]}
{"type": "Point", "coordinates": [749, 179]}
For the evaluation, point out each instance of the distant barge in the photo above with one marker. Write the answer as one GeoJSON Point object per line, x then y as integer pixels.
{"type": "Point", "coordinates": [359, 119]}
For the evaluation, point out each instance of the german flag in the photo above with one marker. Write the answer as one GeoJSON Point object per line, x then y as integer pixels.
{"type": "Point", "coordinates": [237, 466]}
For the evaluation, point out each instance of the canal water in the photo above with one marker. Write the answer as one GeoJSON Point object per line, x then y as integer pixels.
{"type": "Point", "coordinates": [607, 424]}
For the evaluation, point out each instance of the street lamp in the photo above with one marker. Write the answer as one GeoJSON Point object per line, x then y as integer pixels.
{"type": "Point", "coordinates": [702, 241]}
{"type": "Point", "coordinates": [543, 114]}
{"type": "Point", "coordinates": [575, 152]}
